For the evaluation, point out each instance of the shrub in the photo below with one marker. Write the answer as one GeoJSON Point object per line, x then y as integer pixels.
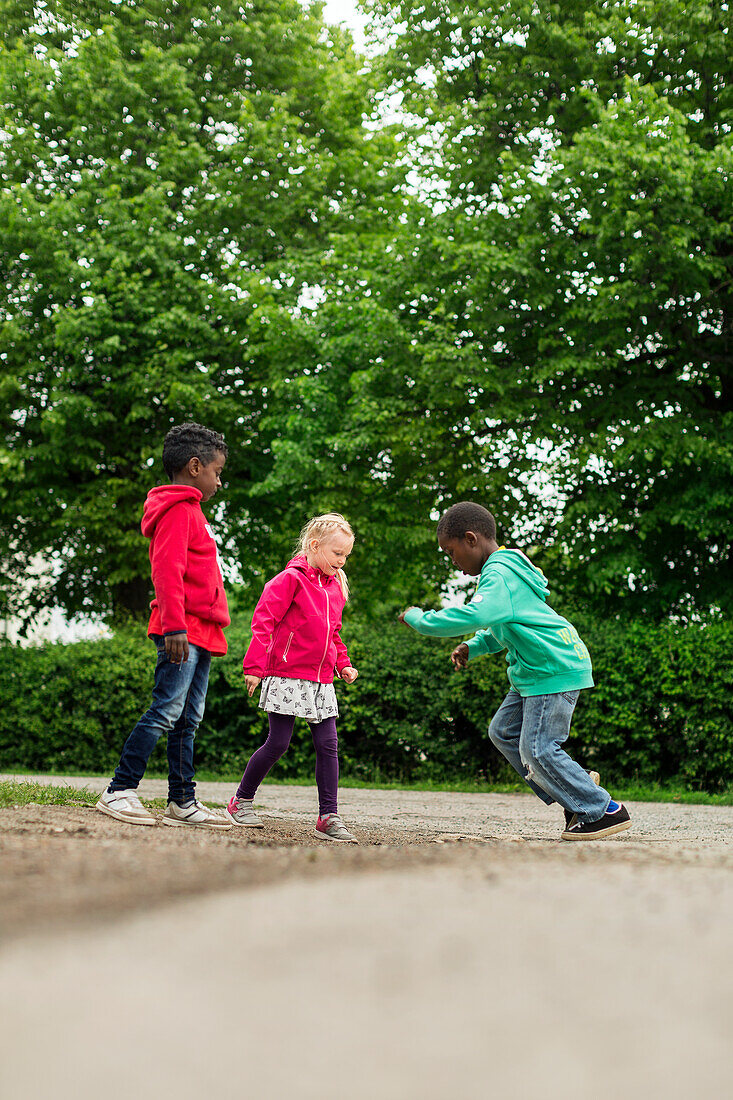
{"type": "Point", "coordinates": [661, 710]}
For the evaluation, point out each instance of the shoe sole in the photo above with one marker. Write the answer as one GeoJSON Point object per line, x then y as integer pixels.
{"type": "Point", "coordinates": [335, 839]}
{"type": "Point", "coordinates": [600, 834]}
{"type": "Point", "coordinates": [223, 826]}
{"type": "Point", "coordinates": [104, 809]}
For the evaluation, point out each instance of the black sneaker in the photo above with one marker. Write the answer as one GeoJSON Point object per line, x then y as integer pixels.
{"type": "Point", "coordinates": [604, 826]}
{"type": "Point", "coordinates": [570, 817]}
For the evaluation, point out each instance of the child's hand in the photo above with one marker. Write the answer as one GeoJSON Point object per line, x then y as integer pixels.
{"type": "Point", "coordinates": [251, 682]}
{"type": "Point", "coordinates": [176, 647]}
{"type": "Point", "coordinates": [459, 656]}
{"type": "Point", "coordinates": [349, 674]}
{"type": "Point", "coordinates": [401, 616]}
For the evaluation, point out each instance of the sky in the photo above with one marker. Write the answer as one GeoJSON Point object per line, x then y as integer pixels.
{"type": "Point", "coordinates": [345, 11]}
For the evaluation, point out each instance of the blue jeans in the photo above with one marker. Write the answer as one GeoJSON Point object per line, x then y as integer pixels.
{"type": "Point", "coordinates": [179, 694]}
{"type": "Point", "coordinates": [529, 731]}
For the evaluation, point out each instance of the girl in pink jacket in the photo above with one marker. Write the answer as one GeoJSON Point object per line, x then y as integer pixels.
{"type": "Point", "coordinates": [295, 650]}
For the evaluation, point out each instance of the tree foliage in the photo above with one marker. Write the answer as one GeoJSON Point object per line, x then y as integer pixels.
{"type": "Point", "coordinates": [584, 153]}
{"type": "Point", "coordinates": [169, 172]}
{"type": "Point", "coordinates": [520, 293]}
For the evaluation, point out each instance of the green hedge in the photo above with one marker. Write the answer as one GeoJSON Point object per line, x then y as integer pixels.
{"type": "Point", "coordinates": [661, 710]}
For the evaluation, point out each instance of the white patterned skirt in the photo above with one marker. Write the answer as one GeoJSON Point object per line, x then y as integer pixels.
{"type": "Point", "coordinates": [304, 698]}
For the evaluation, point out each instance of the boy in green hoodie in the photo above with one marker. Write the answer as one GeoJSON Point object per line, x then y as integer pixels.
{"type": "Point", "coordinates": [548, 663]}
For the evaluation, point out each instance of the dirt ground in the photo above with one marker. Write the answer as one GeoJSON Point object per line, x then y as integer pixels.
{"type": "Point", "coordinates": [96, 868]}
{"type": "Point", "coordinates": [460, 948]}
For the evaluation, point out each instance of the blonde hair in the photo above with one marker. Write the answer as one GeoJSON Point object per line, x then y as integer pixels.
{"type": "Point", "coordinates": [320, 527]}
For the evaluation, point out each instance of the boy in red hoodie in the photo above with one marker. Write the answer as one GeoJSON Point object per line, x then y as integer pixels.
{"type": "Point", "coordinates": [186, 624]}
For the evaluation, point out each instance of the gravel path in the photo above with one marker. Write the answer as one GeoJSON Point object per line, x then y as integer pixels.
{"type": "Point", "coordinates": [487, 816]}
{"type": "Point", "coordinates": [414, 966]}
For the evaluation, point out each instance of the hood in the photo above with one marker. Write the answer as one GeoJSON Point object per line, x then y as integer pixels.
{"type": "Point", "coordinates": [300, 562]}
{"type": "Point", "coordinates": [518, 563]}
{"type": "Point", "coordinates": [160, 499]}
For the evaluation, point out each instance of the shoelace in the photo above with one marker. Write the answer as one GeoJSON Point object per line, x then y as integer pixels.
{"type": "Point", "coordinates": [206, 810]}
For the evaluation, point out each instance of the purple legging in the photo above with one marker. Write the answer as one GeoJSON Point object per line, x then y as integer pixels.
{"type": "Point", "coordinates": [325, 740]}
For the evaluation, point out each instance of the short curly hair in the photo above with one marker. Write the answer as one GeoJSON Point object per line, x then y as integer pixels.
{"type": "Point", "coordinates": [186, 441]}
{"type": "Point", "coordinates": [466, 516]}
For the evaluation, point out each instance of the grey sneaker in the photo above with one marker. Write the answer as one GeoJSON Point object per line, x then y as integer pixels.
{"type": "Point", "coordinates": [331, 827]}
{"type": "Point", "coordinates": [571, 818]}
{"type": "Point", "coordinates": [124, 806]}
{"type": "Point", "coordinates": [196, 815]}
{"type": "Point", "coordinates": [241, 812]}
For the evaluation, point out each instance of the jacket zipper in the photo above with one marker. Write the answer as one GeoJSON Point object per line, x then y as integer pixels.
{"type": "Point", "coordinates": [328, 628]}
{"type": "Point", "coordinates": [287, 647]}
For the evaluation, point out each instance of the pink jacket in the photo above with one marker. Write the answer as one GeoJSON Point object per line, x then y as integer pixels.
{"type": "Point", "coordinates": [296, 624]}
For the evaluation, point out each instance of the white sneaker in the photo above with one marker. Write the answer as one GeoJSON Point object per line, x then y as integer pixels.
{"type": "Point", "coordinates": [241, 812]}
{"type": "Point", "coordinates": [331, 827]}
{"type": "Point", "coordinates": [125, 806]}
{"type": "Point", "coordinates": [196, 814]}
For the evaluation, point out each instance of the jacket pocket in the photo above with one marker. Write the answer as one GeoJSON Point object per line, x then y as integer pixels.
{"type": "Point", "coordinates": [287, 647]}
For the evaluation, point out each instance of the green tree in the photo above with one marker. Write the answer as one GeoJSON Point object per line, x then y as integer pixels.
{"type": "Point", "coordinates": [169, 171]}
{"type": "Point", "coordinates": [198, 224]}
{"type": "Point", "coordinates": [581, 154]}
{"type": "Point", "coordinates": [391, 414]}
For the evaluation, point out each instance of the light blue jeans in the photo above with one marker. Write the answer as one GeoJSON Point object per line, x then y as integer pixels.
{"type": "Point", "coordinates": [529, 731]}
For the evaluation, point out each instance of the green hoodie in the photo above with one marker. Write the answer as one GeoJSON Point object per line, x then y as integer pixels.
{"type": "Point", "coordinates": [509, 611]}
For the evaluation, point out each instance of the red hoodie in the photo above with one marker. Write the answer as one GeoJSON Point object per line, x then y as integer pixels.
{"type": "Point", "coordinates": [184, 561]}
{"type": "Point", "coordinates": [296, 624]}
